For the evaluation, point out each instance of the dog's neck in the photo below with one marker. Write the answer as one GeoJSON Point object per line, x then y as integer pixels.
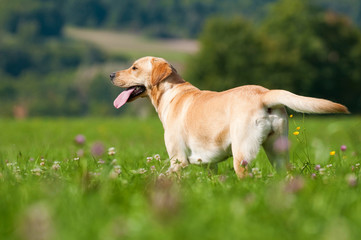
{"type": "Point", "coordinates": [164, 93]}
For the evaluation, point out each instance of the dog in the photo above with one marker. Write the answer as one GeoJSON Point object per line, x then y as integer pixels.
{"type": "Point", "coordinates": [206, 127]}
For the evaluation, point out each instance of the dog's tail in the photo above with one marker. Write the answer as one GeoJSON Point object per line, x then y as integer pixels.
{"type": "Point", "coordinates": [277, 98]}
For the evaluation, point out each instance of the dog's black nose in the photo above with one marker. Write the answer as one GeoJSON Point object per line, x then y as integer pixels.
{"type": "Point", "coordinates": [112, 75]}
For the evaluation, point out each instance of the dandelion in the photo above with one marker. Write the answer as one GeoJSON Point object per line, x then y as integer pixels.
{"type": "Point", "coordinates": [343, 148]}
{"type": "Point", "coordinates": [317, 167]}
{"type": "Point", "coordinates": [157, 157]}
{"type": "Point", "coordinates": [291, 116]}
{"type": "Point", "coordinates": [55, 166]}
{"type": "Point", "coordinates": [332, 153]}
{"type": "Point", "coordinates": [79, 139]}
{"type": "Point", "coordinates": [298, 128]}
{"type": "Point", "coordinates": [111, 151]}
{"type": "Point", "coordinates": [296, 133]}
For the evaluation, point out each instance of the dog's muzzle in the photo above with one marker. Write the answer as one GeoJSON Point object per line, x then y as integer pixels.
{"type": "Point", "coordinates": [112, 76]}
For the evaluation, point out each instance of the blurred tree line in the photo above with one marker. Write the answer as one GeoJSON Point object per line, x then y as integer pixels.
{"type": "Point", "coordinates": [298, 47]}
{"type": "Point", "coordinates": [39, 66]}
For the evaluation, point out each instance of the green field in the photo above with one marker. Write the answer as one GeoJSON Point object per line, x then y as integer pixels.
{"type": "Point", "coordinates": [135, 45]}
{"type": "Point", "coordinates": [48, 192]}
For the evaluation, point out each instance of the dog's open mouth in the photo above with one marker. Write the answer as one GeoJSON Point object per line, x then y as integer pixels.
{"type": "Point", "coordinates": [128, 95]}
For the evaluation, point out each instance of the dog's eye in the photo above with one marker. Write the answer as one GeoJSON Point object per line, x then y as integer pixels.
{"type": "Point", "coordinates": [134, 68]}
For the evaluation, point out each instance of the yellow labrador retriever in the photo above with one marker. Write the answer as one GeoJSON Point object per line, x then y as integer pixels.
{"type": "Point", "coordinates": [205, 127]}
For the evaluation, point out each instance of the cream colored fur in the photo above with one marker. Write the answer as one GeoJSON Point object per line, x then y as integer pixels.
{"type": "Point", "coordinates": [205, 127]}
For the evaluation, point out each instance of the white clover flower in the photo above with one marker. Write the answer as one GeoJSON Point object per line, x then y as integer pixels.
{"type": "Point", "coordinates": [42, 163]}
{"type": "Point", "coordinates": [101, 161]}
{"type": "Point", "coordinates": [322, 171]}
{"type": "Point", "coordinates": [117, 169]}
{"type": "Point", "coordinates": [36, 171]}
{"type": "Point", "coordinates": [152, 168]}
{"type": "Point", "coordinates": [56, 165]}
{"type": "Point", "coordinates": [157, 157]}
{"type": "Point", "coordinates": [329, 165]}
{"type": "Point", "coordinates": [149, 159]}
{"type": "Point", "coordinates": [76, 159]}
{"type": "Point", "coordinates": [111, 151]}
{"type": "Point", "coordinates": [139, 171]}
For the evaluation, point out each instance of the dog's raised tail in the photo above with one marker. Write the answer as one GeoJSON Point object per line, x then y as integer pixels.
{"type": "Point", "coordinates": [277, 98]}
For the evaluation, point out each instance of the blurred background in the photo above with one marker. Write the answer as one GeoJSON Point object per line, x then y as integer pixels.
{"type": "Point", "coordinates": [56, 55]}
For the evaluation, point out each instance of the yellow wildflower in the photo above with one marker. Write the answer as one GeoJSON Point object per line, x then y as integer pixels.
{"type": "Point", "coordinates": [296, 133]}
{"type": "Point", "coordinates": [291, 116]}
{"type": "Point", "coordinates": [332, 153]}
{"type": "Point", "coordinates": [298, 128]}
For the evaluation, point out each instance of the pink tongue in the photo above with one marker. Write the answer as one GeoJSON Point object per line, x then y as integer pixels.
{"type": "Point", "coordinates": [123, 98]}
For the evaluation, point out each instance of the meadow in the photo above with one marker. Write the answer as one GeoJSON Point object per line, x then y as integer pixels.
{"type": "Point", "coordinates": [105, 178]}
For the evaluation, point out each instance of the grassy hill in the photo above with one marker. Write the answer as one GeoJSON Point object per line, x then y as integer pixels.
{"type": "Point", "coordinates": [135, 45]}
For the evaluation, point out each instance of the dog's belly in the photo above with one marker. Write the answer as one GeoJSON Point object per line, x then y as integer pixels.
{"type": "Point", "coordinates": [206, 156]}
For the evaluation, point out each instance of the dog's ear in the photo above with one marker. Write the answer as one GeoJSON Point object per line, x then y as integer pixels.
{"type": "Point", "coordinates": [161, 70]}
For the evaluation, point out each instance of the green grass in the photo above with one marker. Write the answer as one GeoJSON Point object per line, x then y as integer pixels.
{"type": "Point", "coordinates": [85, 199]}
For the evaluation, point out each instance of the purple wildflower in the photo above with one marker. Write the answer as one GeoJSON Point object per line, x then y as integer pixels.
{"type": "Point", "coordinates": [79, 139]}
{"type": "Point", "coordinates": [98, 149]}
{"type": "Point", "coordinates": [343, 148]}
{"type": "Point", "coordinates": [282, 144]}
{"type": "Point", "coordinates": [317, 167]}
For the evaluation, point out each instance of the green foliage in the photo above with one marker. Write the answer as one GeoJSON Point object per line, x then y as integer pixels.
{"type": "Point", "coordinates": [36, 18]}
{"type": "Point", "coordinates": [297, 47]}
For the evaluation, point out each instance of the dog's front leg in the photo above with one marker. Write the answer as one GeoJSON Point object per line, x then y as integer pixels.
{"type": "Point", "coordinates": [176, 164]}
{"type": "Point", "coordinates": [175, 148]}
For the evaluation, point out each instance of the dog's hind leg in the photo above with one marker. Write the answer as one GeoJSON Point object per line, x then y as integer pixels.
{"type": "Point", "coordinates": [246, 145]}
{"type": "Point", "coordinates": [276, 144]}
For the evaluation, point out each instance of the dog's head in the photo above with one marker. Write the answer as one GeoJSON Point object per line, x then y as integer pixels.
{"type": "Point", "coordinates": [145, 74]}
